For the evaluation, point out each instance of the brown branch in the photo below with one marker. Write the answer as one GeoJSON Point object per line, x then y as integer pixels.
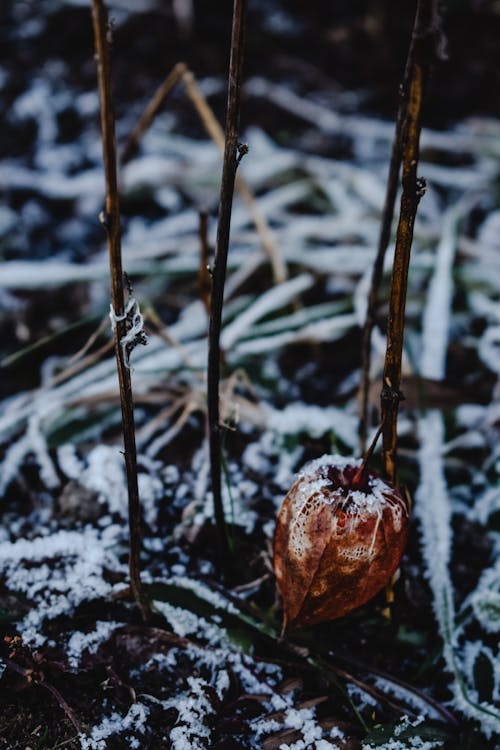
{"type": "Point", "coordinates": [112, 226]}
{"type": "Point", "coordinates": [383, 242]}
{"type": "Point", "coordinates": [424, 41]}
{"type": "Point", "coordinates": [229, 166]}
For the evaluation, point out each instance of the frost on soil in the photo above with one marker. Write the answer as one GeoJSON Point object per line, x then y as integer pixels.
{"type": "Point", "coordinates": [63, 543]}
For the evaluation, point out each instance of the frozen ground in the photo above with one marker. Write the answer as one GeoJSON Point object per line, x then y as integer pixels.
{"type": "Point", "coordinates": [292, 355]}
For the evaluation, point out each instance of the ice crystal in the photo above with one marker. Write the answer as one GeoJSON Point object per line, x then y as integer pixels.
{"type": "Point", "coordinates": [135, 719]}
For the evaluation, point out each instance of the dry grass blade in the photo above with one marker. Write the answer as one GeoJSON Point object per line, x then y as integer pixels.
{"type": "Point", "coordinates": [90, 341]}
{"type": "Point", "coordinates": [215, 132]}
{"type": "Point", "coordinates": [153, 107]}
{"type": "Point", "coordinates": [163, 331]}
{"type": "Point", "coordinates": [181, 73]}
{"type": "Point", "coordinates": [80, 365]}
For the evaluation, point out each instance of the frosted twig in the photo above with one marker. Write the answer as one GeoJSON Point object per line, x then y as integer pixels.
{"type": "Point", "coordinates": [327, 329]}
{"type": "Point", "coordinates": [112, 225]}
{"type": "Point", "coordinates": [135, 328]}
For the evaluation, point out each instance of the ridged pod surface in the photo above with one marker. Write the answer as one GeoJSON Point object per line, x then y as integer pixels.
{"type": "Point", "coordinates": [337, 541]}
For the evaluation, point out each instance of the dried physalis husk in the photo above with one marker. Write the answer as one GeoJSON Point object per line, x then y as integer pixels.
{"type": "Point", "coordinates": [339, 540]}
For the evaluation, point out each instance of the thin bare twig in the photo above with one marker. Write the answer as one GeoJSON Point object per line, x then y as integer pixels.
{"type": "Point", "coordinates": [383, 242]}
{"type": "Point", "coordinates": [229, 166]}
{"type": "Point", "coordinates": [112, 226]}
{"type": "Point", "coordinates": [358, 478]}
{"type": "Point", "coordinates": [424, 41]}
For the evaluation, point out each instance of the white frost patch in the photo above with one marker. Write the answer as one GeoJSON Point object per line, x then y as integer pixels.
{"type": "Point", "coordinates": [489, 348]}
{"type": "Point", "coordinates": [489, 232]}
{"type": "Point", "coordinates": [33, 442]}
{"type": "Point", "coordinates": [313, 420]}
{"type": "Point", "coordinates": [408, 697]}
{"type": "Point", "coordinates": [267, 457]}
{"type": "Point", "coordinates": [437, 310]}
{"type": "Point", "coordinates": [303, 720]}
{"type": "Point", "coordinates": [237, 493]}
{"type": "Point", "coordinates": [105, 475]}
{"type": "Point", "coordinates": [470, 416]}
{"type": "Point", "coordinates": [487, 504]}
{"type": "Point", "coordinates": [80, 642]}
{"type": "Point", "coordinates": [184, 622]}
{"type": "Point", "coordinates": [204, 592]}
{"type": "Point", "coordinates": [135, 719]}
{"type": "Point", "coordinates": [273, 299]}
{"type": "Point", "coordinates": [404, 744]}
{"type": "Point", "coordinates": [69, 461]}
{"type": "Point", "coordinates": [191, 732]}
{"type": "Point", "coordinates": [69, 571]}
{"type": "Point", "coordinates": [151, 491]}
{"type": "Point", "coordinates": [485, 600]}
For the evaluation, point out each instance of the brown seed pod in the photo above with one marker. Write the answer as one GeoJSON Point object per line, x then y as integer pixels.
{"type": "Point", "coordinates": [340, 535]}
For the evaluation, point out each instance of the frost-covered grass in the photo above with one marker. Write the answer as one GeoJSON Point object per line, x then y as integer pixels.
{"type": "Point", "coordinates": [292, 370]}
